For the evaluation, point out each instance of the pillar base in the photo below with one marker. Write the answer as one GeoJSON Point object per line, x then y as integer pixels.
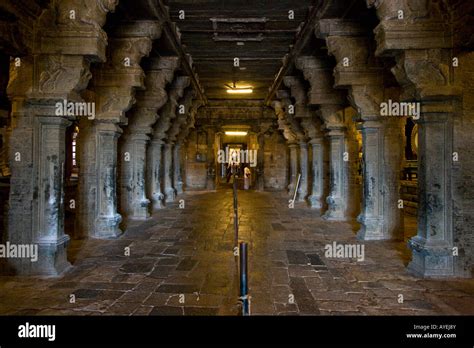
{"type": "Point", "coordinates": [179, 188]}
{"type": "Point", "coordinates": [371, 229]}
{"type": "Point", "coordinates": [336, 211]}
{"type": "Point", "coordinates": [291, 189]}
{"type": "Point", "coordinates": [107, 227]}
{"type": "Point", "coordinates": [52, 258]}
{"type": "Point", "coordinates": [315, 202]}
{"type": "Point", "coordinates": [157, 202]}
{"type": "Point", "coordinates": [52, 261]}
{"type": "Point", "coordinates": [301, 196]}
{"type": "Point", "coordinates": [333, 215]}
{"type": "Point", "coordinates": [140, 211]}
{"type": "Point", "coordinates": [376, 229]}
{"type": "Point", "coordinates": [433, 260]}
{"type": "Point", "coordinates": [170, 195]}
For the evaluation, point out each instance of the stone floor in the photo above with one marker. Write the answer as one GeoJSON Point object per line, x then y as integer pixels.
{"type": "Point", "coordinates": [181, 262]}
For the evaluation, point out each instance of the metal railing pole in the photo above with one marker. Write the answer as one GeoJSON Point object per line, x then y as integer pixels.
{"type": "Point", "coordinates": [296, 188]}
{"type": "Point", "coordinates": [244, 289]}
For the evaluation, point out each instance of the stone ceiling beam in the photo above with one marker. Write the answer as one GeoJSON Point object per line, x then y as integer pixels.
{"type": "Point", "coordinates": [318, 72]}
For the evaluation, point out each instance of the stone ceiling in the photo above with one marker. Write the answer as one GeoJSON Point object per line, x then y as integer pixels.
{"type": "Point", "coordinates": [257, 32]}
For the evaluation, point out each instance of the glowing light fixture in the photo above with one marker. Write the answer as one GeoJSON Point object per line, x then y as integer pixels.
{"type": "Point", "coordinates": [240, 91]}
{"type": "Point", "coordinates": [236, 133]}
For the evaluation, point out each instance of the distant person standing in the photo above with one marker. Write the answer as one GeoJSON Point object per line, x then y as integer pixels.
{"type": "Point", "coordinates": [247, 178]}
{"type": "Point", "coordinates": [232, 166]}
{"type": "Point", "coordinates": [231, 169]}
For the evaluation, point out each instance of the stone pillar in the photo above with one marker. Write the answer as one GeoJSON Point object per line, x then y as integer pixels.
{"type": "Point", "coordinates": [260, 182]}
{"type": "Point", "coordinates": [221, 167]}
{"type": "Point", "coordinates": [114, 84]}
{"type": "Point", "coordinates": [170, 192]}
{"type": "Point", "coordinates": [134, 200]}
{"type": "Point", "coordinates": [191, 111]}
{"type": "Point", "coordinates": [303, 189]}
{"type": "Point", "coordinates": [382, 154]}
{"type": "Point", "coordinates": [432, 247]}
{"type": "Point", "coordinates": [293, 168]}
{"type": "Point", "coordinates": [50, 236]}
{"type": "Point", "coordinates": [177, 179]}
{"type": "Point", "coordinates": [312, 129]}
{"type": "Point", "coordinates": [56, 70]}
{"type": "Point", "coordinates": [301, 112]}
{"type": "Point", "coordinates": [211, 158]}
{"type": "Point", "coordinates": [161, 133]}
{"type": "Point", "coordinates": [134, 203]}
{"type": "Point", "coordinates": [263, 128]}
{"type": "Point", "coordinates": [338, 174]}
{"type": "Point", "coordinates": [106, 219]}
{"type": "Point", "coordinates": [423, 72]}
{"type": "Point", "coordinates": [318, 72]}
{"type": "Point", "coordinates": [317, 173]}
{"type": "Point", "coordinates": [358, 71]}
{"type": "Point", "coordinates": [371, 217]}
{"type": "Point", "coordinates": [97, 182]}
{"type": "Point", "coordinates": [290, 138]}
{"type": "Point", "coordinates": [5, 120]}
{"type": "Point", "coordinates": [154, 173]}
{"type": "Point", "coordinates": [46, 206]}
{"type": "Point", "coordinates": [173, 134]}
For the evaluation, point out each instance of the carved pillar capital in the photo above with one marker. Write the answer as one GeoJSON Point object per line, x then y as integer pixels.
{"type": "Point", "coordinates": [333, 117]}
{"type": "Point", "coordinates": [406, 25]}
{"type": "Point", "coordinates": [318, 72]}
{"type": "Point", "coordinates": [116, 80]}
{"type": "Point", "coordinates": [283, 123]}
{"type": "Point", "coordinates": [289, 115]}
{"type": "Point", "coordinates": [180, 83]}
{"type": "Point", "coordinates": [418, 35]}
{"type": "Point", "coordinates": [159, 72]}
{"type": "Point", "coordinates": [190, 121]}
{"type": "Point", "coordinates": [425, 75]}
{"type": "Point", "coordinates": [169, 111]}
{"type": "Point", "coordinates": [264, 127]}
{"type": "Point", "coordinates": [350, 43]}
{"type": "Point", "coordinates": [367, 100]}
{"type": "Point", "coordinates": [182, 115]}
{"type": "Point", "coordinates": [49, 77]}
{"type": "Point", "coordinates": [75, 27]}
{"type": "Point", "coordinates": [355, 61]}
{"type": "Point", "coordinates": [312, 128]}
{"type": "Point", "coordinates": [298, 90]}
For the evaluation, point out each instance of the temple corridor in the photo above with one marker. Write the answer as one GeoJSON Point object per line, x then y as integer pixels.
{"type": "Point", "coordinates": [188, 252]}
{"type": "Point", "coordinates": [346, 125]}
